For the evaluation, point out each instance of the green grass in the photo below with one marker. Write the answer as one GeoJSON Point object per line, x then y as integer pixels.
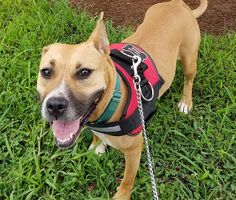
{"type": "Point", "coordinates": [194, 154]}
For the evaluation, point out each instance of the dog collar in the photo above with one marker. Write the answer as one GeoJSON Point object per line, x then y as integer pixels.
{"type": "Point", "coordinates": [113, 104]}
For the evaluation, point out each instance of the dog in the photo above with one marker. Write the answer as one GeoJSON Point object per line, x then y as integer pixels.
{"type": "Point", "coordinates": [76, 82]}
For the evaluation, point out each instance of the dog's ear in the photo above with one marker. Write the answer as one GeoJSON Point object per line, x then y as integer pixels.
{"type": "Point", "coordinates": [45, 50]}
{"type": "Point", "coordinates": [99, 36]}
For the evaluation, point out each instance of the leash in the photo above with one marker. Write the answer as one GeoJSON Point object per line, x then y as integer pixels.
{"type": "Point", "coordinates": [137, 80]}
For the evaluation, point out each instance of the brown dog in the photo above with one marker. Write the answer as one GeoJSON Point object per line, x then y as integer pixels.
{"type": "Point", "coordinates": [74, 78]}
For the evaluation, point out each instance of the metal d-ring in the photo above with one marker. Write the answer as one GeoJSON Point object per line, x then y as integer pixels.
{"type": "Point", "coordinates": [152, 90]}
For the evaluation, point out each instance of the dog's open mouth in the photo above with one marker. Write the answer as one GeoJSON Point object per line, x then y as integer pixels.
{"type": "Point", "coordinates": [66, 132]}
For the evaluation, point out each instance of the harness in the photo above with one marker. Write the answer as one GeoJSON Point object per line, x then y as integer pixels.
{"type": "Point", "coordinates": [151, 82]}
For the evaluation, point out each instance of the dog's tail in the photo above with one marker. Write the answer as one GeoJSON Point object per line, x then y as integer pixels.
{"type": "Point", "coordinates": [201, 9]}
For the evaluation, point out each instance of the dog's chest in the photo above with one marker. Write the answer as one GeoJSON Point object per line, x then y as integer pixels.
{"type": "Point", "coordinates": [103, 138]}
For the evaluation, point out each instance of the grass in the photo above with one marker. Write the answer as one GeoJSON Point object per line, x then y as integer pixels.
{"type": "Point", "coordinates": [194, 154]}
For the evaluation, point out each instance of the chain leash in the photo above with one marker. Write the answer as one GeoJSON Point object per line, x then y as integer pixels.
{"type": "Point", "coordinates": [137, 80]}
{"type": "Point", "coordinates": [136, 60]}
{"type": "Point", "coordinates": [148, 154]}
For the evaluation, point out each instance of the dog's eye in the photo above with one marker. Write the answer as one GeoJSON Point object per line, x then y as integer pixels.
{"type": "Point", "coordinates": [46, 73]}
{"type": "Point", "coordinates": [83, 73]}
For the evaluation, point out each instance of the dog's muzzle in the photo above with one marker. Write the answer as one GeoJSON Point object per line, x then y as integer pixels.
{"type": "Point", "coordinates": [65, 120]}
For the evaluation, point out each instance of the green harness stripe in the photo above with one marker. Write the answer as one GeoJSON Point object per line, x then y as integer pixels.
{"type": "Point", "coordinates": [112, 106]}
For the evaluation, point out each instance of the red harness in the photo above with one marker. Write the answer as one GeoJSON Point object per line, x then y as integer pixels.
{"type": "Point", "coordinates": [130, 122]}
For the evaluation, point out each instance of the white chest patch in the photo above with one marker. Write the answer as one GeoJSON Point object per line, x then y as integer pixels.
{"type": "Point", "coordinates": [103, 138]}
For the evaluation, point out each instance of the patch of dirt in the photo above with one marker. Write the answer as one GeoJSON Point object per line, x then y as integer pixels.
{"type": "Point", "coordinates": [220, 15]}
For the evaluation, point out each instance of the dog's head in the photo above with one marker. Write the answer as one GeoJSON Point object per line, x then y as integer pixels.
{"type": "Point", "coordinates": [71, 80]}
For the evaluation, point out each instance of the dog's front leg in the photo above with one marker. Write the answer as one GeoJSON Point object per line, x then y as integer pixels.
{"type": "Point", "coordinates": [101, 148]}
{"type": "Point", "coordinates": [132, 161]}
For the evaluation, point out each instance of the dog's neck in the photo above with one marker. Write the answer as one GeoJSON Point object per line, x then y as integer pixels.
{"type": "Point", "coordinates": [110, 79]}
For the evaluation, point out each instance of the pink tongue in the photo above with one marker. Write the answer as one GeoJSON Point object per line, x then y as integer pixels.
{"type": "Point", "coordinates": [65, 129]}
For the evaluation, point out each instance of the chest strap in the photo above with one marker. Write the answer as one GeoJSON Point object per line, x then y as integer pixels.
{"type": "Point", "coordinates": [112, 106]}
{"type": "Point", "coordinates": [118, 128]}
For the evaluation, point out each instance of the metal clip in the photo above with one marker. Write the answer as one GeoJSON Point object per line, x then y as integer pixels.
{"type": "Point", "coordinates": [137, 80]}
{"type": "Point", "coordinates": [136, 60]}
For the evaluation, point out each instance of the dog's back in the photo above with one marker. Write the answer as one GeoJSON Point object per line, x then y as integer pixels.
{"type": "Point", "coordinates": [169, 31]}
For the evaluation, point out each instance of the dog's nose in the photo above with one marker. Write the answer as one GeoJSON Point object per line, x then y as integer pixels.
{"type": "Point", "coordinates": [56, 106]}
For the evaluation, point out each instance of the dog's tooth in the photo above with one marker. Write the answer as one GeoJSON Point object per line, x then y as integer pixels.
{"type": "Point", "coordinates": [60, 140]}
{"type": "Point", "coordinates": [65, 140]}
{"type": "Point", "coordinates": [71, 136]}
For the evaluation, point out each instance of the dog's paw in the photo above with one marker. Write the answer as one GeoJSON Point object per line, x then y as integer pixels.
{"type": "Point", "coordinates": [122, 194]}
{"type": "Point", "coordinates": [100, 149]}
{"type": "Point", "coordinates": [185, 107]}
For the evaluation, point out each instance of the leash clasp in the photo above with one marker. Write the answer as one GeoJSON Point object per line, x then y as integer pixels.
{"type": "Point", "coordinates": [136, 60]}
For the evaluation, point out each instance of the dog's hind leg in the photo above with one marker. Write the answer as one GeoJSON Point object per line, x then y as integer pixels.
{"type": "Point", "coordinates": [189, 62]}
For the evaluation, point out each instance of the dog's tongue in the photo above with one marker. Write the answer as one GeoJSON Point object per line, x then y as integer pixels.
{"type": "Point", "coordinates": [65, 129]}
